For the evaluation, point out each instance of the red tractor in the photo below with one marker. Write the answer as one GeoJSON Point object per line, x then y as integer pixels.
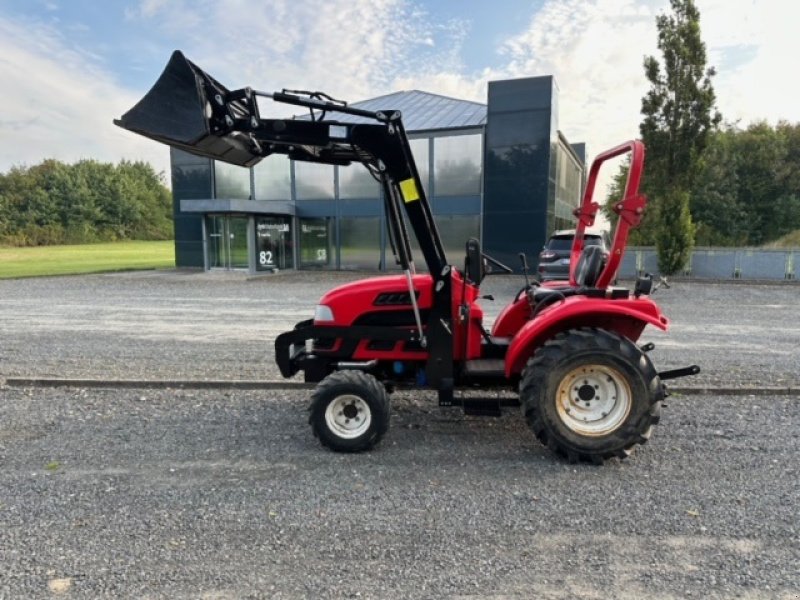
{"type": "Point", "coordinates": [587, 390]}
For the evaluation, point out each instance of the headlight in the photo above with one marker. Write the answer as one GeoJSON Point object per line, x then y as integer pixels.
{"type": "Point", "coordinates": [323, 313]}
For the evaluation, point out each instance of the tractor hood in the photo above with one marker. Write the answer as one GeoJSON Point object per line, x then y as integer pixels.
{"type": "Point", "coordinates": [353, 300]}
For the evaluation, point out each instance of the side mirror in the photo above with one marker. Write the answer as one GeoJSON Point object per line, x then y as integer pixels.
{"type": "Point", "coordinates": [474, 268]}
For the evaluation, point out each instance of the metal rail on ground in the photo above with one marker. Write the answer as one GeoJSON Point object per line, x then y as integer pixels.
{"type": "Point", "coordinates": [244, 384]}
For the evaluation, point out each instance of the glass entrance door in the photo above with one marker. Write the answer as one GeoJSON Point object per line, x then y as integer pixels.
{"type": "Point", "coordinates": [227, 242]}
{"type": "Point", "coordinates": [274, 241]}
{"type": "Point", "coordinates": [237, 238]}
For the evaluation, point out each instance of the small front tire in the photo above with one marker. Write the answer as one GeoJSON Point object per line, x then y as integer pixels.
{"type": "Point", "coordinates": [349, 411]}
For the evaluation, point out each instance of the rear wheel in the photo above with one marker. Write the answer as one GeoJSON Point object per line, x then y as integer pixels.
{"type": "Point", "coordinates": [349, 411]}
{"type": "Point", "coordinates": [590, 394]}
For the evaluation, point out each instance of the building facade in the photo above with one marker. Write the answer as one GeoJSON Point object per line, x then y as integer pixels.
{"type": "Point", "coordinates": [500, 171]}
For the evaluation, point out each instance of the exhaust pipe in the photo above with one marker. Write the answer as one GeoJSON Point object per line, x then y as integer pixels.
{"type": "Point", "coordinates": [190, 110]}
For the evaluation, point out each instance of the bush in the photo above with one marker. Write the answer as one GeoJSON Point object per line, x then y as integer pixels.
{"type": "Point", "coordinates": [86, 202]}
{"type": "Point", "coordinates": [675, 234]}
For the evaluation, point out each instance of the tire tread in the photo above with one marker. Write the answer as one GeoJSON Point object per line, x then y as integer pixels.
{"type": "Point", "coordinates": [343, 382]}
{"type": "Point", "coordinates": [546, 359]}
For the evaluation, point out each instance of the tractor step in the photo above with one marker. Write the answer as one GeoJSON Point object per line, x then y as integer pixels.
{"type": "Point", "coordinates": [485, 368]}
{"type": "Point", "coordinates": [482, 407]}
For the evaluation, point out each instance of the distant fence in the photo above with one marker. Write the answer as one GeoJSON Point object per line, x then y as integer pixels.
{"type": "Point", "coordinates": [720, 263]}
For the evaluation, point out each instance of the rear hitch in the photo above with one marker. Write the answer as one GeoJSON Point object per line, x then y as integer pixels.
{"type": "Point", "coordinates": [676, 373]}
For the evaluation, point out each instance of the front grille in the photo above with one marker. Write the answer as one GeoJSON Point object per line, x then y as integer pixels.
{"type": "Point", "coordinates": [325, 343]}
{"type": "Point", "coordinates": [394, 299]}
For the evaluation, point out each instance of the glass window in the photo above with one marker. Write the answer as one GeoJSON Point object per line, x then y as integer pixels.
{"type": "Point", "coordinates": [272, 179]}
{"type": "Point", "coordinates": [227, 242]}
{"type": "Point", "coordinates": [568, 183]}
{"type": "Point", "coordinates": [232, 182]}
{"type": "Point", "coordinates": [237, 240]}
{"type": "Point", "coordinates": [566, 188]}
{"type": "Point", "coordinates": [315, 243]}
{"type": "Point", "coordinates": [360, 242]}
{"type": "Point", "coordinates": [420, 149]}
{"type": "Point", "coordinates": [217, 249]}
{"type": "Point", "coordinates": [313, 181]}
{"type": "Point", "coordinates": [416, 252]}
{"type": "Point", "coordinates": [457, 165]}
{"type": "Point", "coordinates": [273, 243]}
{"type": "Point", "coordinates": [191, 180]}
{"type": "Point", "coordinates": [355, 181]}
{"type": "Point", "coordinates": [455, 230]}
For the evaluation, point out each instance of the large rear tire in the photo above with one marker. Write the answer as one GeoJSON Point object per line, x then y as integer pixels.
{"type": "Point", "coordinates": [349, 411]}
{"type": "Point", "coordinates": [591, 394]}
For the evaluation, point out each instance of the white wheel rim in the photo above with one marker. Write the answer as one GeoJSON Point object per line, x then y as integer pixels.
{"type": "Point", "coordinates": [348, 416]}
{"type": "Point", "coordinates": [593, 400]}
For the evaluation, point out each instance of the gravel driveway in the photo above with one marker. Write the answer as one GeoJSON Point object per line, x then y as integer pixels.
{"type": "Point", "coordinates": [225, 493]}
{"type": "Point", "coordinates": [198, 494]}
{"type": "Point", "coordinates": [188, 325]}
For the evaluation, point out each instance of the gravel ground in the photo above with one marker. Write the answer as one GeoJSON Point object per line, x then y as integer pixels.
{"type": "Point", "coordinates": [225, 494]}
{"type": "Point", "coordinates": [199, 494]}
{"type": "Point", "coordinates": [189, 325]}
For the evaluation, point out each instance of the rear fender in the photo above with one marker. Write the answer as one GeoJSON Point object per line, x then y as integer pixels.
{"type": "Point", "coordinates": [625, 317]}
{"type": "Point", "coordinates": [512, 318]}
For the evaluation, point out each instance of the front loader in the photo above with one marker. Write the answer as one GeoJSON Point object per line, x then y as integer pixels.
{"type": "Point", "coordinates": [587, 389]}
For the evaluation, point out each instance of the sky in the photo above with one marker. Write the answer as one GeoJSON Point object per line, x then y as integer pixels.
{"type": "Point", "coordinates": [69, 67]}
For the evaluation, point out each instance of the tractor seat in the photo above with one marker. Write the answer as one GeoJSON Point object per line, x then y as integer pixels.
{"type": "Point", "coordinates": [587, 272]}
{"type": "Point", "coordinates": [589, 266]}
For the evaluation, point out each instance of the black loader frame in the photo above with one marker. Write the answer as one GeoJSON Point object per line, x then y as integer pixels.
{"type": "Point", "coordinates": [189, 109]}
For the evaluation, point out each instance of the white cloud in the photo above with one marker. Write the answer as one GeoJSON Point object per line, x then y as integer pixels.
{"type": "Point", "coordinates": [347, 49]}
{"type": "Point", "coordinates": [755, 44]}
{"type": "Point", "coordinates": [595, 51]}
{"type": "Point", "coordinates": [57, 103]}
{"type": "Point", "coordinates": [62, 101]}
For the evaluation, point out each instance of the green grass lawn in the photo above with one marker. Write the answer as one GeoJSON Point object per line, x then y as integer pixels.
{"type": "Point", "coordinates": [87, 258]}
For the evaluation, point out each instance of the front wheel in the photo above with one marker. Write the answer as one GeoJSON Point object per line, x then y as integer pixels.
{"type": "Point", "coordinates": [349, 411]}
{"type": "Point", "coordinates": [590, 394]}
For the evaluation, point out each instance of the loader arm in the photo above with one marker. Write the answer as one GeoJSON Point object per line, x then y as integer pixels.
{"type": "Point", "coordinates": [188, 109]}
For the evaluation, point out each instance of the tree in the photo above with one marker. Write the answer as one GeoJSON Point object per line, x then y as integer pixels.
{"type": "Point", "coordinates": [679, 116]}
{"type": "Point", "coordinates": [56, 203]}
{"type": "Point", "coordinates": [717, 210]}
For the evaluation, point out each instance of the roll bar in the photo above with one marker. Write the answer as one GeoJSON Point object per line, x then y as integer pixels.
{"type": "Point", "coordinates": [630, 210]}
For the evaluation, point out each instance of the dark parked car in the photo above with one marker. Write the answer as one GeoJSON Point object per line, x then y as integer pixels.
{"type": "Point", "coordinates": [554, 258]}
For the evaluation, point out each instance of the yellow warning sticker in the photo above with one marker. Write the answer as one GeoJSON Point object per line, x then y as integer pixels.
{"type": "Point", "coordinates": [408, 187]}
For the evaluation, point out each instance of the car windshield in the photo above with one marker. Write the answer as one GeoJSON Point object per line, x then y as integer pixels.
{"type": "Point", "coordinates": [565, 243]}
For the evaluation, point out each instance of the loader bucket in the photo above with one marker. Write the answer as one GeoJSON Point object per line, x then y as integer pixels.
{"type": "Point", "coordinates": [177, 111]}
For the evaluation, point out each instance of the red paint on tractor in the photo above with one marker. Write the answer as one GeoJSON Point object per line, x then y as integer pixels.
{"type": "Point", "coordinates": [626, 317]}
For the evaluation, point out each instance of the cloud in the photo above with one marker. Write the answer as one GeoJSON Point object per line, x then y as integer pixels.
{"type": "Point", "coordinates": [58, 103]}
{"type": "Point", "coordinates": [62, 98]}
{"type": "Point", "coordinates": [350, 50]}
{"type": "Point", "coordinates": [347, 49]}
{"type": "Point", "coordinates": [595, 51]}
{"type": "Point", "coordinates": [65, 96]}
{"type": "Point", "coordinates": [753, 44]}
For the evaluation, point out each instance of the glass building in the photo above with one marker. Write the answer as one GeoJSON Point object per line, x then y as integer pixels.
{"type": "Point", "coordinates": [499, 171]}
